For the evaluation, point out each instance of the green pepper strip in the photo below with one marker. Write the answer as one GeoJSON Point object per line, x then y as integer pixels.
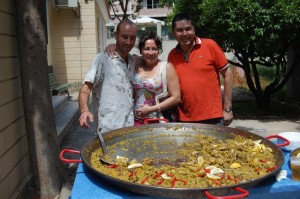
{"type": "Point", "coordinates": [271, 168]}
{"type": "Point", "coordinates": [145, 179]}
{"type": "Point", "coordinates": [216, 182]}
{"type": "Point", "coordinates": [112, 166]}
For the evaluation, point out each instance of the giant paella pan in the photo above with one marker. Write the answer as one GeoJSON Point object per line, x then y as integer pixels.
{"type": "Point", "coordinates": [183, 160]}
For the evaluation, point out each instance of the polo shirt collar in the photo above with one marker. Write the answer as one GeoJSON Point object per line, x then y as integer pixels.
{"type": "Point", "coordinates": [197, 41]}
{"type": "Point", "coordinates": [130, 57]}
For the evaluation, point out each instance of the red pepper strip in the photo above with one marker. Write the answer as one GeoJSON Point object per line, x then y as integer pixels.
{"type": "Point", "coordinates": [201, 176]}
{"type": "Point", "coordinates": [263, 160]}
{"type": "Point", "coordinates": [158, 174]}
{"type": "Point", "coordinates": [170, 175]}
{"type": "Point", "coordinates": [271, 168]}
{"type": "Point", "coordinates": [258, 169]}
{"type": "Point", "coordinates": [222, 176]}
{"type": "Point", "coordinates": [160, 182]}
{"type": "Point", "coordinates": [145, 179]}
{"type": "Point", "coordinates": [132, 174]}
{"type": "Point", "coordinates": [207, 170]}
{"type": "Point", "coordinates": [112, 166]}
{"type": "Point", "coordinates": [174, 181]}
{"type": "Point", "coordinates": [233, 179]}
{"type": "Point", "coordinates": [216, 182]}
{"type": "Point", "coordinates": [184, 182]}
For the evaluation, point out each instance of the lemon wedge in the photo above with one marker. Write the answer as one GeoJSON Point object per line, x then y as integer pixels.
{"type": "Point", "coordinates": [132, 166]}
{"type": "Point", "coordinates": [255, 160]}
{"type": "Point", "coordinates": [212, 176]}
{"type": "Point", "coordinates": [216, 171]}
{"type": "Point", "coordinates": [235, 165]}
{"type": "Point", "coordinates": [256, 148]}
{"type": "Point", "coordinates": [165, 176]}
{"type": "Point", "coordinates": [269, 149]}
{"type": "Point", "coordinates": [200, 161]}
{"type": "Point", "coordinates": [257, 142]}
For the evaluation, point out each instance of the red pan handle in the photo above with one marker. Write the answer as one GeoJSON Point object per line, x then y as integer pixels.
{"type": "Point", "coordinates": [155, 120]}
{"type": "Point", "coordinates": [287, 142]}
{"type": "Point", "coordinates": [61, 154]}
{"type": "Point", "coordinates": [244, 193]}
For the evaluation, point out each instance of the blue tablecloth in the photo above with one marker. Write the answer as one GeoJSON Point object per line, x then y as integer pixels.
{"type": "Point", "coordinates": [90, 186]}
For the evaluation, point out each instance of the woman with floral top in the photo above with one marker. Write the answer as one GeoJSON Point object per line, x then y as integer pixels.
{"type": "Point", "coordinates": [148, 82]}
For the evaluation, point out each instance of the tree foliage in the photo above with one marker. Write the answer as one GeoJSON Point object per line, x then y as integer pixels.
{"type": "Point", "coordinates": [258, 32]}
{"type": "Point", "coordinates": [122, 6]}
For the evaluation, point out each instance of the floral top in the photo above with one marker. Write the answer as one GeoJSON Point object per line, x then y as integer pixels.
{"type": "Point", "coordinates": [146, 90]}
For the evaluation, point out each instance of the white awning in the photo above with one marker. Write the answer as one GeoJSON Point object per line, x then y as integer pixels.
{"type": "Point", "coordinates": [147, 21]}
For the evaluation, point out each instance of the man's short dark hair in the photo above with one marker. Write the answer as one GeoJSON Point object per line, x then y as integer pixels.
{"type": "Point", "coordinates": [128, 21]}
{"type": "Point", "coordinates": [180, 17]}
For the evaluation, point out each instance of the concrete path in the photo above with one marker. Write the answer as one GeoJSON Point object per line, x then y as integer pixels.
{"type": "Point", "coordinates": [270, 126]}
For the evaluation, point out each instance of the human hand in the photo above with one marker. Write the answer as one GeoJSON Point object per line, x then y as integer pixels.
{"type": "Point", "coordinates": [111, 50]}
{"type": "Point", "coordinates": [85, 118]}
{"type": "Point", "coordinates": [143, 110]}
{"type": "Point", "coordinates": [228, 117]}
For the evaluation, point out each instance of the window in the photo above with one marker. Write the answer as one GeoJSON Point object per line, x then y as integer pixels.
{"type": "Point", "coordinates": [151, 4]}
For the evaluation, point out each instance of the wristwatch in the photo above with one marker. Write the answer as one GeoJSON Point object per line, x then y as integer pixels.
{"type": "Point", "coordinates": [228, 109]}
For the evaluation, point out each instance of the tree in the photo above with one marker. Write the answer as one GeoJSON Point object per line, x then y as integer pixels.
{"type": "Point", "coordinates": [258, 32]}
{"type": "Point", "coordinates": [121, 6]}
{"type": "Point", "coordinates": [48, 171]}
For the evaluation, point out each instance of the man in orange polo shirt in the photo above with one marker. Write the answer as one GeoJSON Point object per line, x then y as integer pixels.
{"type": "Point", "coordinates": [198, 63]}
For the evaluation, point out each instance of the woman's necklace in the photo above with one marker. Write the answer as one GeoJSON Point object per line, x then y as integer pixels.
{"type": "Point", "coordinates": [145, 73]}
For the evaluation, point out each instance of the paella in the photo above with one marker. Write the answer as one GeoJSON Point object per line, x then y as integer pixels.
{"type": "Point", "coordinates": [205, 162]}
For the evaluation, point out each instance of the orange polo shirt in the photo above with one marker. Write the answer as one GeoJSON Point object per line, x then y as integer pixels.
{"type": "Point", "coordinates": [201, 96]}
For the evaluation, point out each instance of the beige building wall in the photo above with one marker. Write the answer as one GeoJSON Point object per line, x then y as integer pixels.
{"type": "Point", "coordinates": [14, 153]}
{"type": "Point", "coordinates": [75, 40]}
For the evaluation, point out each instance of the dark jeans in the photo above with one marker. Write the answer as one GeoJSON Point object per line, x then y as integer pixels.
{"type": "Point", "coordinates": [217, 121]}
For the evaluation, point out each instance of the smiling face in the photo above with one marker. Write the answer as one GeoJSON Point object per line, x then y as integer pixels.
{"type": "Point", "coordinates": [125, 38]}
{"type": "Point", "coordinates": [184, 33]}
{"type": "Point", "coordinates": [150, 52]}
